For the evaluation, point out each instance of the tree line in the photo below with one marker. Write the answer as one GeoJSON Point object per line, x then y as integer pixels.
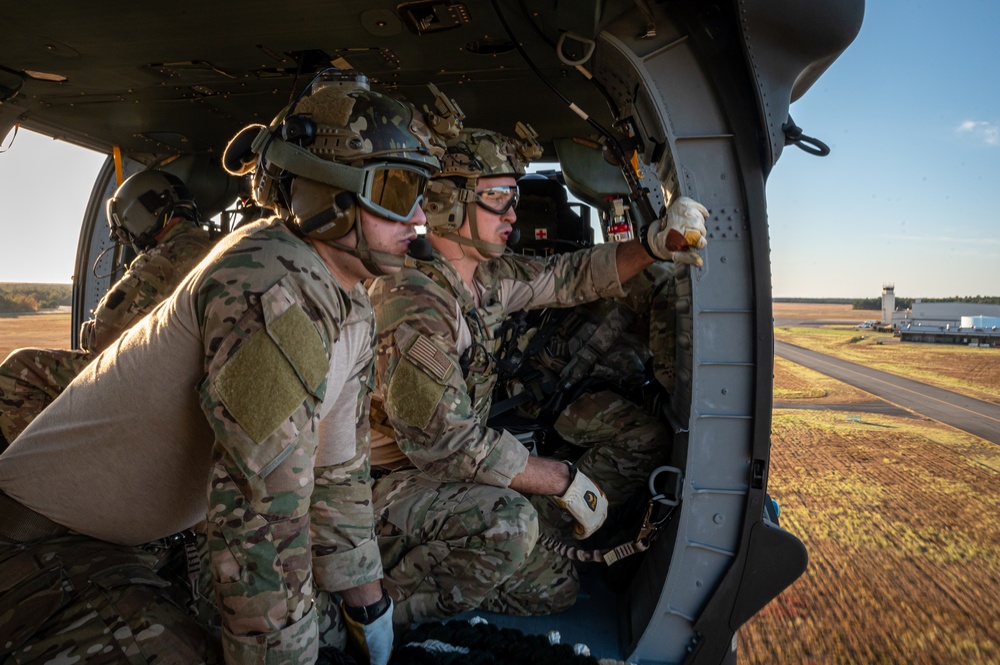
{"type": "Point", "coordinates": [22, 298]}
{"type": "Point", "coordinates": [907, 303]}
{"type": "Point", "coordinates": [901, 303]}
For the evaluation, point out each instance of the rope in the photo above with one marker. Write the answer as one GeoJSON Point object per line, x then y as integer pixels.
{"type": "Point", "coordinates": [479, 643]}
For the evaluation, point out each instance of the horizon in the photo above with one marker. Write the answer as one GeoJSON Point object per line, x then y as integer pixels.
{"type": "Point", "coordinates": [804, 299]}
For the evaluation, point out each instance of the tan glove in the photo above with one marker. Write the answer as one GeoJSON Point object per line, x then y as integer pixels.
{"type": "Point", "coordinates": [676, 235]}
{"type": "Point", "coordinates": [586, 502]}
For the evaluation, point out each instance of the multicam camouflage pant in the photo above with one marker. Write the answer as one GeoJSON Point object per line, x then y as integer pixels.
{"type": "Point", "coordinates": [332, 626]}
{"type": "Point", "coordinates": [447, 546]}
{"type": "Point", "coordinates": [30, 380]}
{"type": "Point", "coordinates": [74, 599]}
{"type": "Point", "coordinates": [621, 444]}
{"type": "Point", "coordinates": [452, 547]}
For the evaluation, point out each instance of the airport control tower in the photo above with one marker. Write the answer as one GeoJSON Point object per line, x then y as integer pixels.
{"type": "Point", "coordinates": [888, 303]}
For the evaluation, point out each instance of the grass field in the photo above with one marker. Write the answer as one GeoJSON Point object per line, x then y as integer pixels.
{"type": "Point", "coordinates": [969, 371]}
{"type": "Point", "coordinates": [900, 515]}
{"type": "Point", "coordinates": [47, 330]}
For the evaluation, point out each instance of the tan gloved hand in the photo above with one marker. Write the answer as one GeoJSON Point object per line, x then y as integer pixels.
{"type": "Point", "coordinates": [676, 235]}
{"type": "Point", "coordinates": [586, 502]}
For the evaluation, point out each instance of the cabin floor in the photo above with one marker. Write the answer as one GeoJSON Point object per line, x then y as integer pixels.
{"type": "Point", "coordinates": [593, 620]}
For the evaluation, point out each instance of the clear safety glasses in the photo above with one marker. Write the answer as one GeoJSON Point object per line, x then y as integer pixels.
{"type": "Point", "coordinates": [498, 200]}
{"type": "Point", "coordinates": [393, 191]}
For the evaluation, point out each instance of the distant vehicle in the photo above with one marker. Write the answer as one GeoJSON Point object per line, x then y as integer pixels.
{"type": "Point", "coordinates": [631, 98]}
{"type": "Point", "coordinates": [867, 324]}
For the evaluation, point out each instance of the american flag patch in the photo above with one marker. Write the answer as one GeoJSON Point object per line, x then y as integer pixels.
{"type": "Point", "coordinates": [425, 354]}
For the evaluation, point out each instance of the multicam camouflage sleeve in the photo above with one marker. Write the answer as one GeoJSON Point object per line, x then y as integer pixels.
{"type": "Point", "coordinates": [151, 277]}
{"type": "Point", "coordinates": [425, 394]}
{"type": "Point", "coordinates": [267, 355]}
{"type": "Point", "coordinates": [562, 280]}
{"type": "Point", "coordinates": [440, 416]}
{"type": "Point", "coordinates": [345, 552]}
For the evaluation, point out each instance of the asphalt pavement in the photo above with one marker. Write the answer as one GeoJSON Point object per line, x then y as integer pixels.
{"type": "Point", "coordinates": [974, 416]}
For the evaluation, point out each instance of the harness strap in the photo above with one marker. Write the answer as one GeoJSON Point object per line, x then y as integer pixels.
{"type": "Point", "coordinates": [647, 534]}
{"type": "Point", "coordinates": [596, 346]}
{"type": "Point", "coordinates": [193, 561]}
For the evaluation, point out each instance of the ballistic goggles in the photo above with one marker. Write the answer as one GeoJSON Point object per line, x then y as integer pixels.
{"type": "Point", "coordinates": [499, 199]}
{"type": "Point", "coordinates": [392, 191]}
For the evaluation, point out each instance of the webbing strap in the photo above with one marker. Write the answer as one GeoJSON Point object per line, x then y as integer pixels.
{"type": "Point", "coordinates": [596, 346]}
{"type": "Point", "coordinates": [643, 539]}
{"type": "Point", "coordinates": [192, 560]}
{"type": "Point", "coordinates": [303, 163]}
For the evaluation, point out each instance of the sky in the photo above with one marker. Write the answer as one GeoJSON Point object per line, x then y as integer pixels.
{"type": "Point", "coordinates": [910, 194]}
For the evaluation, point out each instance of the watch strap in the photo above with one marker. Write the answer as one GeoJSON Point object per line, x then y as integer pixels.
{"type": "Point", "coordinates": [366, 614]}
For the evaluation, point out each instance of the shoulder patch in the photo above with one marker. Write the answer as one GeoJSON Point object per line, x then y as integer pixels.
{"type": "Point", "coordinates": [412, 396]}
{"type": "Point", "coordinates": [297, 337]}
{"type": "Point", "coordinates": [259, 387]}
{"type": "Point", "coordinates": [430, 357]}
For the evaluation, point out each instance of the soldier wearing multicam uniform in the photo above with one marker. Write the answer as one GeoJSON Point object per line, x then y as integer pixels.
{"type": "Point", "coordinates": [458, 531]}
{"type": "Point", "coordinates": [155, 213]}
{"type": "Point", "coordinates": [581, 373]}
{"type": "Point", "coordinates": [252, 384]}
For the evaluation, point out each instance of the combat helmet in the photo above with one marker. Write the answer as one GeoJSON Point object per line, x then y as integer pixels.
{"type": "Point", "coordinates": [336, 149]}
{"type": "Point", "coordinates": [474, 154]}
{"type": "Point", "coordinates": [144, 203]}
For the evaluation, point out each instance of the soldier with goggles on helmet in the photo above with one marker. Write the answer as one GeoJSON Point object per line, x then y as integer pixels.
{"type": "Point", "coordinates": [457, 529]}
{"type": "Point", "coordinates": [247, 411]}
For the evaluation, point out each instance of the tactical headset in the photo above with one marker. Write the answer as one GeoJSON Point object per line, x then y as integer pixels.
{"type": "Point", "coordinates": [144, 203]}
{"type": "Point", "coordinates": [292, 145]}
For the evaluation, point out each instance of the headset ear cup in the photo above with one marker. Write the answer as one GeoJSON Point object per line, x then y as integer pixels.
{"type": "Point", "coordinates": [444, 211]}
{"type": "Point", "coordinates": [331, 223]}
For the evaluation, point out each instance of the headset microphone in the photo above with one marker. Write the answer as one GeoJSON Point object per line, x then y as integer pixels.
{"type": "Point", "coordinates": [514, 237]}
{"type": "Point", "coordinates": [421, 249]}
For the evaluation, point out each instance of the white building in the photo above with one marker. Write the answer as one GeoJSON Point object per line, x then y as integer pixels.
{"type": "Point", "coordinates": [970, 324]}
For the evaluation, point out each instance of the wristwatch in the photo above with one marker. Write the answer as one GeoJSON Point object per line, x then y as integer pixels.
{"type": "Point", "coordinates": [369, 613]}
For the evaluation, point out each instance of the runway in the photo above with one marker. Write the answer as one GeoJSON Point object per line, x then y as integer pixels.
{"type": "Point", "coordinates": [974, 416]}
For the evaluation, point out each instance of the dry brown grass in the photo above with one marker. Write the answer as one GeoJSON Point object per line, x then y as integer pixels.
{"type": "Point", "coordinates": [900, 520]}
{"type": "Point", "coordinates": [969, 371]}
{"type": "Point", "coordinates": [46, 330]}
{"type": "Point", "coordinates": [819, 311]}
{"type": "Point", "coordinates": [899, 515]}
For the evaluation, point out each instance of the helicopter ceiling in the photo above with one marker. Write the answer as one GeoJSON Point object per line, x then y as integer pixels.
{"type": "Point", "coordinates": [184, 77]}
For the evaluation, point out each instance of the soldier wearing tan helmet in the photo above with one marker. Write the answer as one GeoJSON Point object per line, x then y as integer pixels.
{"type": "Point", "coordinates": [240, 403]}
{"type": "Point", "coordinates": [439, 328]}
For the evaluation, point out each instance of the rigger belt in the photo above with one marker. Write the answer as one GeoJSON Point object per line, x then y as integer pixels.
{"type": "Point", "coordinates": [21, 524]}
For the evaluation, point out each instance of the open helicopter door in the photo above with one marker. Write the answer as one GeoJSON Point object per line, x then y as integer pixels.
{"type": "Point", "coordinates": [690, 88]}
{"type": "Point", "coordinates": [708, 87]}
{"type": "Point", "coordinates": [100, 259]}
